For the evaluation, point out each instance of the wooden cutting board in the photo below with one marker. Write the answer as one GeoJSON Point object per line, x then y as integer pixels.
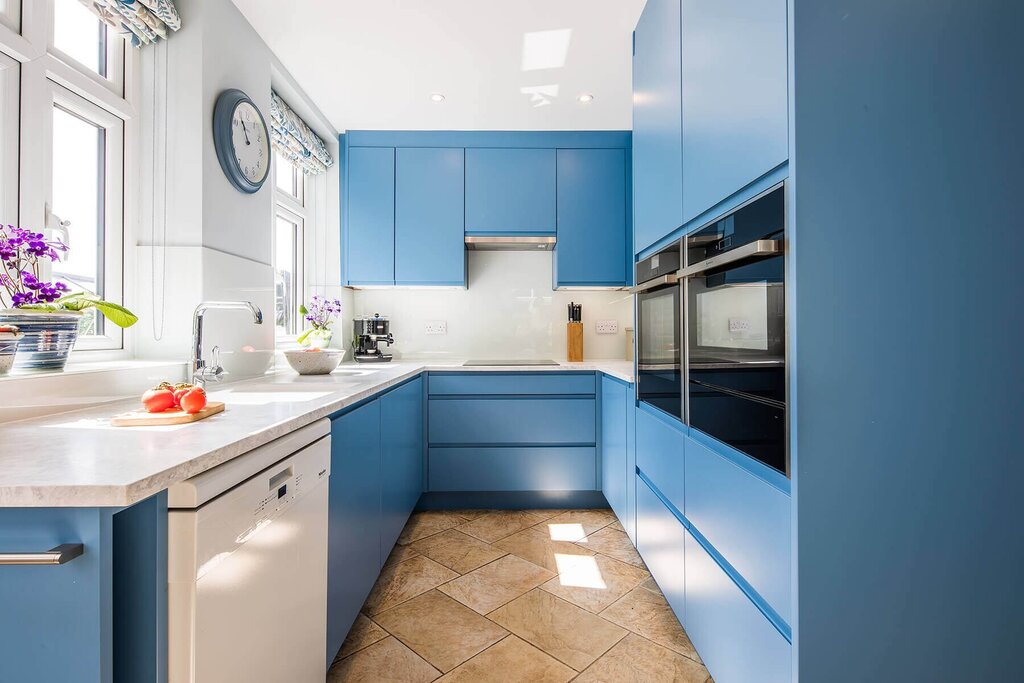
{"type": "Point", "coordinates": [140, 418]}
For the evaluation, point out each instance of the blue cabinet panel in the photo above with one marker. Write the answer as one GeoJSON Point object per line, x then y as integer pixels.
{"type": "Point", "coordinates": [735, 123]}
{"type": "Point", "coordinates": [471, 468]}
{"type": "Point", "coordinates": [661, 542]}
{"type": "Point", "coordinates": [429, 217]}
{"type": "Point", "coordinates": [614, 472]}
{"type": "Point", "coordinates": [659, 455]}
{"type": "Point", "coordinates": [657, 124]}
{"type": "Point", "coordinates": [628, 518]}
{"type": "Point", "coordinates": [591, 246]}
{"type": "Point", "coordinates": [513, 421]}
{"type": "Point", "coordinates": [513, 384]}
{"type": "Point", "coordinates": [735, 640]}
{"type": "Point", "coordinates": [401, 419]}
{"type": "Point", "coordinates": [745, 519]}
{"type": "Point", "coordinates": [370, 223]}
{"type": "Point", "coordinates": [510, 191]}
{"type": "Point", "coordinates": [354, 555]}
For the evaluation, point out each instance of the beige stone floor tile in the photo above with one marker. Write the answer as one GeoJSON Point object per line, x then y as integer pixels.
{"type": "Point", "coordinates": [428, 523]}
{"type": "Point", "coordinates": [501, 523]}
{"type": "Point", "coordinates": [594, 583]}
{"type": "Point", "coordinates": [638, 660]}
{"type": "Point", "coordinates": [386, 661]}
{"type": "Point", "coordinates": [400, 553]}
{"type": "Point", "coordinates": [576, 525]}
{"type": "Point", "coordinates": [615, 544]}
{"type": "Point", "coordinates": [457, 551]}
{"type": "Point", "coordinates": [652, 585]}
{"type": "Point", "coordinates": [491, 586]}
{"type": "Point", "coordinates": [510, 661]}
{"type": "Point", "coordinates": [535, 544]}
{"type": "Point", "coordinates": [441, 630]}
{"type": "Point", "coordinates": [364, 632]}
{"type": "Point", "coordinates": [470, 515]}
{"type": "Point", "coordinates": [617, 525]}
{"type": "Point", "coordinates": [564, 631]}
{"type": "Point", "coordinates": [648, 614]}
{"type": "Point", "coordinates": [405, 580]}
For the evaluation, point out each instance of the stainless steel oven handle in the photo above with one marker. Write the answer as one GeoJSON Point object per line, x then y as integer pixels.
{"type": "Point", "coordinates": [758, 249]}
{"type": "Point", "coordinates": [670, 279]}
{"type": "Point", "coordinates": [59, 555]}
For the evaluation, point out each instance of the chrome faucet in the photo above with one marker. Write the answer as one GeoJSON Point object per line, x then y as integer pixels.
{"type": "Point", "coordinates": [201, 372]}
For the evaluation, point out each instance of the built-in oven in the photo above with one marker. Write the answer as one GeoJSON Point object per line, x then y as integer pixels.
{"type": "Point", "coordinates": [735, 282]}
{"type": "Point", "coordinates": [659, 343]}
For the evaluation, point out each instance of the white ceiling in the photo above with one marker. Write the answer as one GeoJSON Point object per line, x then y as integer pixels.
{"type": "Point", "coordinates": [501, 64]}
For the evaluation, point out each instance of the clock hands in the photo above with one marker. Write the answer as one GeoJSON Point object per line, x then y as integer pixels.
{"type": "Point", "coordinates": [246, 133]}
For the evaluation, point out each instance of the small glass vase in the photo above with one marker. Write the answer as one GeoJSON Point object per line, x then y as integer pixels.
{"type": "Point", "coordinates": [317, 338]}
{"type": "Point", "coordinates": [47, 337]}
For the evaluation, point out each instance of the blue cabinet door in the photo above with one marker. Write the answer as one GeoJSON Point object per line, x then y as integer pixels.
{"type": "Point", "coordinates": [369, 238]}
{"type": "Point", "coordinates": [430, 216]}
{"type": "Point", "coordinates": [660, 447]}
{"type": "Point", "coordinates": [401, 419]}
{"type": "Point", "coordinates": [734, 97]}
{"type": "Point", "coordinates": [353, 554]}
{"type": "Point", "coordinates": [513, 421]}
{"type": "Point", "coordinates": [614, 474]}
{"type": "Point", "coordinates": [592, 228]}
{"type": "Point", "coordinates": [657, 124]}
{"type": "Point", "coordinates": [661, 542]}
{"type": "Point", "coordinates": [510, 191]}
{"type": "Point", "coordinates": [628, 518]}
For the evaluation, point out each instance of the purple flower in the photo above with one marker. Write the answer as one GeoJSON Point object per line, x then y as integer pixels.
{"type": "Point", "coordinates": [23, 298]}
{"type": "Point", "coordinates": [30, 280]}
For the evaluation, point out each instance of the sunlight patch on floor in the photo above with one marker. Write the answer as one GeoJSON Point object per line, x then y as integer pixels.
{"type": "Point", "coordinates": [572, 533]}
{"type": "Point", "coordinates": [580, 571]}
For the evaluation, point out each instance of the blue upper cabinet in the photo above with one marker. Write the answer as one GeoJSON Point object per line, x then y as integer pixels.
{"type": "Point", "coordinates": [429, 216]}
{"type": "Point", "coordinates": [735, 113]}
{"type": "Point", "coordinates": [592, 226]}
{"type": "Point", "coordinates": [370, 236]}
{"type": "Point", "coordinates": [510, 191]}
{"type": "Point", "coordinates": [657, 127]}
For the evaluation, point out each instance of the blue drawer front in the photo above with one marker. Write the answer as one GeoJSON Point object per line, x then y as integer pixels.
{"type": "Point", "coordinates": [513, 469]}
{"type": "Point", "coordinates": [513, 421]}
{"type": "Point", "coordinates": [661, 541]}
{"type": "Point", "coordinates": [745, 519]}
{"type": "Point", "coordinates": [659, 455]}
{"type": "Point", "coordinates": [735, 640]}
{"type": "Point", "coordinates": [471, 384]}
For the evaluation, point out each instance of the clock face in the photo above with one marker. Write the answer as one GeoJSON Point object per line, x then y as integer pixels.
{"type": "Point", "coordinates": [251, 142]}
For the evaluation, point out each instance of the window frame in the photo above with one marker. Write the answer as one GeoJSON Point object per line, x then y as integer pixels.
{"type": "Point", "coordinates": [295, 210]}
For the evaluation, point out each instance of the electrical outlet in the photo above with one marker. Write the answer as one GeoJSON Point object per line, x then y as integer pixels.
{"type": "Point", "coordinates": [607, 326]}
{"type": "Point", "coordinates": [739, 325]}
{"type": "Point", "coordinates": [436, 327]}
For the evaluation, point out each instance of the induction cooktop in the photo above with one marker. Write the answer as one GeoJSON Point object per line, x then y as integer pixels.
{"type": "Point", "coordinates": [511, 363]}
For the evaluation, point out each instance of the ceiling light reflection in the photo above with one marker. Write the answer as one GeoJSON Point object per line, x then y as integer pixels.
{"type": "Point", "coordinates": [546, 49]}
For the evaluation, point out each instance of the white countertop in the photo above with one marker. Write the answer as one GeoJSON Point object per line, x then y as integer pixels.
{"type": "Point", "coordinates": [77, 459]}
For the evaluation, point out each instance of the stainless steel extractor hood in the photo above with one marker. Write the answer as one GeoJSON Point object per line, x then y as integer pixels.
{"type": "Point", "coordinates": [510, 242]}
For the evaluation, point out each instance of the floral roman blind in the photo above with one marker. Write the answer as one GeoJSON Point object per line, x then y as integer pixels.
{"type": "Point", "coordinates": [295, 140]}
{"type": "Point", "coordinates": [141, 22]}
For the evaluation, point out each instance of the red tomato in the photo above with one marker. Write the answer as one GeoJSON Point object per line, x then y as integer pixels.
{"type": "Point", "coordinates": [180, 391]}
{"type": "Point", "coordinates": [193, 400]}
{"type": "Point", "coordinates": [158, 400]}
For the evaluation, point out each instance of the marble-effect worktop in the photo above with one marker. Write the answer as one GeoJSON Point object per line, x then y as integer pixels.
{"type": "Point", "coordinates": [76, 459]}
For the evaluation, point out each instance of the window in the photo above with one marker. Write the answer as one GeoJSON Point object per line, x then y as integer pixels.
{"type": "Point", "coordinates": [289, 237]}
{"type": "Point", "coordinates": [288, 179]}
{"type": "Point", "coordinates": [80, 35]}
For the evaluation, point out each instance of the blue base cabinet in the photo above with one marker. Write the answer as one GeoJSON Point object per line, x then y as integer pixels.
{"type": "Point", "coordinates": [660, 448]}
{"type": "Point", "coordinates": [661, 542]}
{"type": "Point", "coordinates": [401, 419]}
{"type": "Point", "coordinates": [616, 474]}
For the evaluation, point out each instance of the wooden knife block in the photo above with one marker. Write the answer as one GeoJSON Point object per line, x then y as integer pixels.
{"type": "Point", "coordinates": [574, 342]}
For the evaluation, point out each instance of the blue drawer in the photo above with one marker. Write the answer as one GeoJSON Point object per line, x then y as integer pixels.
{"type": "Point", "coordinates": [513, 384]}
{"type": "Point", "coordinates": [513, 469]}
{"type": "Point", "coordinates": [735, 640]}
{"type": "Point", "coordinates": [661, 541]}
{"type": "Point", "coordinates": [746, 519]}
{"type": "Point", "coordinates": [513, 421]}
{"type": "Point", "coordinates": [659, 454]}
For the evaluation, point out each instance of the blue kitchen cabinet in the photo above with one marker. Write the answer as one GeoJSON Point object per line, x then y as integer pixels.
{"type": "Point", "coordinates": [660, 447]}
{"type": "Point", "coordinates": [354, 529]}
{"type": "Point", "coordinates": [510, 191]}
{"type": "Point", "coordinates": [369, 239]}
{"type": "Point", "coordinates": [628, 518]}
{"type": "Point", "coordinates": [657, 124]}
{"type": "Point", "coordinates": [513, 421]}
{"type": "Point", "coordinates": [661, 542]}
{"type": "Point", "coordinates": [512, 384]}
{"type": "Point", "coordinates": [430, 216]}
{"type": "Point", "coordinates": [614, 473]}
{"type": "Point", "coordinates": [735, 109]}
{"type": "Point", "coordinates": [401, 419]}
{"type": "Point", "coordinates": [592, 225]}
{"type": "Point", "coordinates": [513, 468]}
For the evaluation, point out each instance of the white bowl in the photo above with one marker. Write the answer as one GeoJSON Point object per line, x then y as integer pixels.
{"type": "Point", "coordinates": [314, 362]}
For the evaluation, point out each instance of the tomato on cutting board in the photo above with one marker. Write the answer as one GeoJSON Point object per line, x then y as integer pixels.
{"type": "Point", "coordinates": [158, 399]}
{"type": "Point", "coordinates": [193, 400]}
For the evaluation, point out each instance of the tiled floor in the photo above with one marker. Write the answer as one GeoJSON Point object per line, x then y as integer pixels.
{"type": "Point", "coordinates": [529, 595]}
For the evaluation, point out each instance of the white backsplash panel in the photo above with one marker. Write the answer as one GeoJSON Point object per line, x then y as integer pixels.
{"type": "Point", "coordinates": [510, 311]}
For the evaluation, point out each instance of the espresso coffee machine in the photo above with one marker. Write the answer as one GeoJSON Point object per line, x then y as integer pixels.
{"type": "Point", "coordinates": [369, 334]}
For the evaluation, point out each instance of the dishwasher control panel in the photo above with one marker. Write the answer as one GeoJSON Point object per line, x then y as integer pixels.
{"type": "Point", "coordinates": [288, 480]}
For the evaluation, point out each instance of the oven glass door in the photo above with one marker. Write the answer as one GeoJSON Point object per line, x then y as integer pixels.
{"type": "Point", "coordinates": [659, 351]}
{"type": "Point", "coordinates": [736, 361]}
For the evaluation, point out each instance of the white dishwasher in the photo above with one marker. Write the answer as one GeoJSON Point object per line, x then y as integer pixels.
{"type": "Point", "coordinates": [247, 566]}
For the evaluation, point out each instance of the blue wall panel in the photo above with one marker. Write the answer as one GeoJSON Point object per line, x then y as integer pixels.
{"type": "Point", "coordinates": [429, 216]}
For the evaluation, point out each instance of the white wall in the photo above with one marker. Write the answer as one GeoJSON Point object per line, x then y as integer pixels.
{"type": "Point", "coordinates": [509, 312]}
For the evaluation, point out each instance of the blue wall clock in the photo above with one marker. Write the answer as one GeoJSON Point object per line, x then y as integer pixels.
{"type": "Point", "coordinates": [241, 139]}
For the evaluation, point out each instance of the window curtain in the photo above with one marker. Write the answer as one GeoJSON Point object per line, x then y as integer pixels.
{"type": "Point", "coordinates": [141, 22]}
{"type": "Point", "coordinates": [295, 141]}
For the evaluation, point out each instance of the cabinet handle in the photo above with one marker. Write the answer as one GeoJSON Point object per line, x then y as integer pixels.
{"type": "Point", "coordinates": [59, 555]}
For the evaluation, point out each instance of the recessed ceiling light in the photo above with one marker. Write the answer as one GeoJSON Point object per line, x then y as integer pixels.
{"type": "Point", "coordinates": [436, 97]}
{"type": "Point", "coordinates": [585, 98]}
